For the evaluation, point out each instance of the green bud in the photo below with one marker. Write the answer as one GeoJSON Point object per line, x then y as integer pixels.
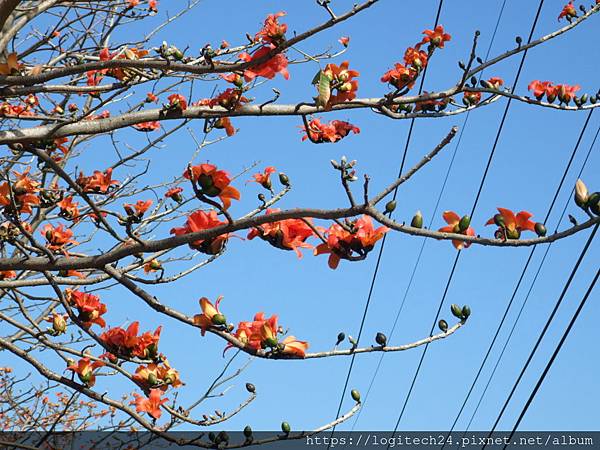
{"type": "Point", "coordinates": [178, 54]}
{"type": "Point", "coordinates": [285, 427]}
{"type": "Point", "coordinates": [390, 206]}
{"type": "Point", "coordinates": [355, 395]}
{"type": "Point", "coordinates": [283, 179]}
{"type": "Point", "coordinates": [443, 325]}
{"type": "Point", "coordinates": [466, 312]}
{"type": "Point", "coordinates": [271, 342]}
{"type": "Point", "coordinates": [594, 203]}
{"type": "Point", "coordinates": [540, 229]}
{"type": "Point", "coordinates": [456, 311]}
{"type": "Point", "coordinates": [464, 223]}
{"type": "Point", "coordinates": [417, 220]}
{"type": "Point", "coordinates": [583, 99]}
{"type": "Point", "coordinates": [219, 319]}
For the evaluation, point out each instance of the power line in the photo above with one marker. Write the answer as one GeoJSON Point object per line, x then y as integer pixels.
{"type": "Point", "coordinates": [381, 248]}
{"type": "Point", "coordinates": [435, 209]}
{"type": "Point", "coordinates": [545, 329]}
{"type": "Point", "coordinates": [523, 272]}
{"type": "Point", "coordinates": [555, 354]}
{"type": "Point", "coordinates": [487, 167]}
{"type": "Point", "coordinates": [530, 288]}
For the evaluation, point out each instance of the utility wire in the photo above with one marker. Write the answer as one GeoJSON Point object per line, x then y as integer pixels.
{"type": "Point", "coordinates": [548, 247]}
{"type": "Point", "coordinates": [435, 209]}
{"type": "Point", "coordinates": [456, 259]}
{"type": "Point", "coordinates": [381, 248]}
{"type": "Point", "coordinates": [521, 277]}
{"type": "Point", "coordinates": [554, 355]}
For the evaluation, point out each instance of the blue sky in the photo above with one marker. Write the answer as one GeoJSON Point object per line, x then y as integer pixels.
{"type": "Point", "coordinates": [316, 303]}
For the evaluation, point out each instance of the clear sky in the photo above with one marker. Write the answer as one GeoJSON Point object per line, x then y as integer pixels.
{"type": "Point", "coordinates": [316, 302]}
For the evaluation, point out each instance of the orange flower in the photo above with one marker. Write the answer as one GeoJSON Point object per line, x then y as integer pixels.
{"type": "Point", "coordinates": [146, 127]}
{"type": "Point", "coordinates": [7, 274]}
{"type": "Point", "coordinates": [174, 194]}
{"type": "Point", "coordinates": [436, 38]}
{"type": "Point", "coordinates": [234, 78]}
{"type": "Point", "coordinates": [264, 179]}
{"type": "Point", "coordinates": [152, 266]}
{"type": "Point", "coordinates": [74, 273]}
{"type": "Point", "coordinates": [151, 98]}
{"type": "Point", "coordinates": [565, 92]}
{"type": "Point", "coordinates": [85, 370]}
{"type": "Point", "coordinates": [400, 76]}
{"type": "Point", "coordinates": [11, 66]}
{"type": "Point", "coordinates": [177, 102]}
{"type": "Point", "coordinates": [68, 208]}
{"type": "Point", "coordinates": [510, 225]}
{"type": "Point", "coordinates": [431, 105]}
{"type": "Point", "coordinates": [471, 98]}
{"type": "Point", "coordinates": [457, 225]}
{"type": "Point", "coordinates": [214, 183]}
{"type": "Point", "coordinates": [415, 58]}
{"type": "Point", "coordinates": [328, 132]}
{"type": "Point", "coordinates": [127, 342]}
{"type": "Point", "coordinates": [568, 11]}
{"type": "Point", "coordinates": [88, 306]}
{"type": "Point", "coordinates": [352, 245]}
{"type": "Point", "coordinates": [342, 80]}
{"type": "Point", "coordinates": [344, 40]}
{"type": "Point", "coordinates": [258, 333]}
{"type": "Point", "coordinates": [230, 99]}
{"type": "Point", "coordinates": [99, 182]}
{"type": "Point", "coordinates": [157, 375]}
{"type": "Point", "coordinates": [267, 69]}
{"type": "Point", "coordinates": [495, 82]}
{"type": "Point", "coordinates": [224, 123]}
{"type": "Point", "coordinates": [151, 404]}
{"type": "Point", "coordinates": [272, 31]}
{"type": "Point", "coordinates": [539, 88]}
{"type": "Point", "coordinates": [289, 234]}
{"type": "Point", "coordinates": [24, 190]}
{"type": "Point", "coordinates": [140, 207]}
{"type": "Point", "coordinates": [292, 346]}
{"type": "Point", "coordinates": [58, 237]}
{"type": "Point", "coordinates": [199, 221]}
{"type": "Point", "coordinates": [210, 316]}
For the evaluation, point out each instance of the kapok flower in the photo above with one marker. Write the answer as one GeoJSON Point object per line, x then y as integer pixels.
{"type": "Point", "coordinates": [98, 183]}
{"type": "Point", "coordinates": [7, 274]}
{"type": "Point", "coordinates": [234, 78]}
{"type": "Point", "coordinates": [175, 194]}
{"type": "Point", "coordinates": [127, 342]}
{"type": "Point", "coordinates": [59, 323]}
{"type": "Point", "coordinates": [341, 79]}
{"type": "Point", "coordinates": [213, 183]}
{"type": "Point", "coordinates": [272, 31]}
{"type": "Point", "coordinates": [230, 99]}
{"type": "Point", "coordinates": [224, 123]}
{"type": "Point", "coordinates": [258, 333]}
{"type": "Point", "coordinates": [292, 346]}
{"type": "Point", "coordinates": [24, 192]}
{"type": "Point", "coordinates": [151, 98]}
{"type": "Point", "coordinates": [211, 316]}
{"type": "Point", "coordinates": [85, 370]}
{"type": "Point", "coordinates": [200, 221]}
{"type": "Point", "coordinates": [568, 11]}
{"type": "Point", "coordinates": [88, 306]}
{"type": "Point", "coordinates": [58, 237]}
{"type": "Point", "coordinates": [150, 404]}
{"type": "Point", "coordinates": [565, 92]}
{"type": "Point", "coordinates": [400, 76]}
{"type": "Point", "coordinates": [140, 208]}
{"type": "Point", "coordinates": [344, 40]}
{"type": "Point", "coordinates": [68, 208]}
{"type": "Point", "coordinates": [159, 376]}
{"type": "Point", "coordinates": [333, 131]}
{"type": "Point", "coordinates": [457, 225]}
{"type": "Point", "coordinates": [147, 127]}
{"type": "Point", "coordinates": [415, 58]}
{"type": "Point", "coordinates": [435, 38]}
{"type": "Point", "coordinates": [539, 88]}
{"type": "Point", "coordinates": [289, 234]}
{"type": "Point", "coordinates": [177, 102]}
{"type": "Point", "coordinates": [264, 179]}
{"type": "Point", "coordinates": [495, 82]}
{"type": "Point", "coordinates": [471, 98]}
{"type": "Point", "coordinates": [152, 266]}
{"type": "Point", "coordinates": [267, 69]}
{"type": "Point", "coordinates": [351, 245]}
{"type": "Point", "coordinates": [510, 225]}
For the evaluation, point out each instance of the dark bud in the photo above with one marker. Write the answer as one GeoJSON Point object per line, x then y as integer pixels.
{"type": "Point", "coordinates": [540, 229]}
{"type": "Point", "coordinates": [340, 337]}
{"type": "Point", "coordinates": [485, 84]}
{"type": "Point", "coordinates": [223, 437]}
{"type": "Point", "coordinates": [285, 427]}
{"type": "Point", "coordinates": [582, 8]}
{"type": "Point", "coordinates": [381, 339]}
{"type": "Point", "coordinates": [593, 203]}
{"type": "Point", "coordinates": [464, 223]}
{"type": "Point", "coordinates": [466, 312]}
{"type": "Point", "coordinates": [283, 179]}
{"type": "Point", "coordinates": [479, 60]}
{"type": "Point", "coordinates": [390, 206]}
{"type": "Point", "coordinates": [250, 388]}
{"type": "Point", "coordinates": [593, 100]}
{"type": "Point", "coordinates": [443, 325]}
{"type": "Point", "coordinates": [212, 436]}
{"type": "Point", "coordinates": [261, 197]}
{"type": "Point", "coordinates": [247, 431]}
{"type": "Point", "coordinates": [417, 220]}
{"type": "Point", "coordinates": [477, 33]}
{"type": "Point", "coordinates": [462, 65]}
{"type": "Point", "coordinates": [456, 311]}
{"type": "Point", "coordinates": [583, 99]}
{"type": "Point", "coordinates": [355, 395]}
{"type": "Point", "coordinates": [573, 220]}
{"type": "Point", "coordinates": [474, 81]}
{"type": "Point", "coordinates": [519, 40]}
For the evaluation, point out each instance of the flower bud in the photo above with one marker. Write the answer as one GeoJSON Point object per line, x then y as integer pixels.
{"type": "Point", "coordinates": [464, 223]}
{"type": "Point", "coordinates": [355, 395]}
{"type": "Point", "coordinates": [540, 229]}
{"type": "Point", "coordinates": [381, 339]}
{"type": "Point", "coordinates": [390, 206]}
{"type": "Point", "coordinates": [250, 388]}
{"type": "Point", "coordinates": [285, 427]}
{"type": "Point", "coordinates": [466, 312]}
{"type": "Point", "coordinates": [443, 325]}
{"type": "Point", "coordinates": [594, 203]}
{"type": "Point", "coordinates": [283, 179]}
{"type": "Point", "coordinates": [417, 220]}
{"type": "Point", "coordinates": [581, 194]}
{"type": "Point", "coordinates": [59, 324]}
{"type": "Point", "coordinates": [247, 431]}
{"type": "Point", "coordinates": [456, 311]}
{"type": "Point", "coordinates": [340, 338]}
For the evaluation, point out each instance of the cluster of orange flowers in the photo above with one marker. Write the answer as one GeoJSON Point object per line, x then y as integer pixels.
{"type": "Point", "coordinates": [564, 92]}
{"type": "Point", "coordinates": [24, 193]}
{"type": "Point", "coordinates": [97, 183]}
{"type": "Point", "coordinates": [319, 132]}
{"type": "Point", "coordinates": [25, 108]}
{"type": "Point", "coordinates": [260, 333]}
{"type": "Point", "coordinates": [88, 306]}
{"type": "Point", "coordinates": [201, 221]}
{"type": "Point", "coordinates": [127, 342]}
